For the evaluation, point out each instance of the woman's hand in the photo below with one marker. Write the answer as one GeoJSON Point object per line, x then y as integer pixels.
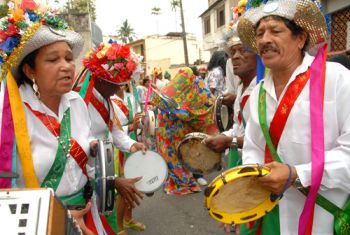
{"type": "Point", "coordinates": [78, 215]}
{"type": "Point", "coordinates": [229, 99]}
{"type": "Point", "coordinates": [218, 143]}
{"type": "Point", "coordinates": [137, 146]}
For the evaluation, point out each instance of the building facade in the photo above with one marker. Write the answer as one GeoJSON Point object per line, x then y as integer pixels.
{"type": "Point", "coordinates": [168, 53]}
{"type": "Point", "coordinates": [214, 22]}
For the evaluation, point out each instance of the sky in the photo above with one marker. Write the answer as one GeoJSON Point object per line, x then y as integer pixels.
{"type": "Point", "coordinates": [111, 14]}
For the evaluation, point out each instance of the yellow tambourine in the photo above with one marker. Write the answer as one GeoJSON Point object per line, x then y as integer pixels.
{"type": "Point", "coordinates": [235, 197]}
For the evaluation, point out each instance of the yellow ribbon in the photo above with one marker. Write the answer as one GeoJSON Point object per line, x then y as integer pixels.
{"type": "Point", "coordinates": [21, 133]}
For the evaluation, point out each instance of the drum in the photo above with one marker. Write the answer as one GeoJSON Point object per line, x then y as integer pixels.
{"type": "Point", "coordinates": [105, 177]}
{"type": "Point", "coordinates": [196, 156]}
{"type": "Point", "coordinates": [235, 197]}
{"type": "Point", "coordinates": [163, 101]}
{"type": "Point", "coordinates": [223, 115]}
{"type": "Point", "coordinates": [151, 166]}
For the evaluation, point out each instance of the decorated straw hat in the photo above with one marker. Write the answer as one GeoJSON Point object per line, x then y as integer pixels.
{"type": "Point", "coordinates": [26, 29]}
{"type": "Point", "coordinates": [305, 13]}
{"type": "Point", "coordinates": [112, 62]}
{"type": "Point", "coordinates": [156, 71]}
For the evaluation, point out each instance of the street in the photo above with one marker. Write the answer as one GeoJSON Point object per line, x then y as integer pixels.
{"type": "Point", "coordinates": [163, 214]}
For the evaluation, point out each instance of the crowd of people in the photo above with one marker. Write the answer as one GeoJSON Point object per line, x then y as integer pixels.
{"type": "Point", "coordinates": [289, 106]}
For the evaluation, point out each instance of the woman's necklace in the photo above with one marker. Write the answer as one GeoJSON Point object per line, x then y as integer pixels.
{"type": "Point", "coordinates": [59, 137]}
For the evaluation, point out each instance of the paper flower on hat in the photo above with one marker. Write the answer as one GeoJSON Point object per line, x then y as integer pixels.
{"type": "Point", "coordinates": [19, 26]}
{"type": "Point", "coordinates": [237, 12]}
{"type": "Point", "coordinates": [112, 62]}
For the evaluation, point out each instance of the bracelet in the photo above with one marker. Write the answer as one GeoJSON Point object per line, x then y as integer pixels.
{"type": "Point", "coordinates": [274, 197]}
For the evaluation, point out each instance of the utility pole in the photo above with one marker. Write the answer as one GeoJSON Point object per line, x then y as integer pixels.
{"type": "Point", "coordinates": [184, 34]}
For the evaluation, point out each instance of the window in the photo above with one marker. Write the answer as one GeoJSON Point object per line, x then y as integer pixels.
{"type": "Point", "coordinates": [207, 25]}
{"type": "Point", "coordinates": [220, 16]}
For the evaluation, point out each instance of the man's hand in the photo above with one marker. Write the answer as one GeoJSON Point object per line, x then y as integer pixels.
{"type": "Point", "coordinates": [228, 99]}
{"type": "Point", "coordinates": [277, 178]}
{"type": "Point", "coordinates": [137, 146]}
{"type": "Point", "coordinates": [78, 215]}
{"type": "Point", "coordinates": [127, 190]}
{"type": "Point", "coordinates": [218, 143]}
{"type": "Point", "coordinates": [135, 122]}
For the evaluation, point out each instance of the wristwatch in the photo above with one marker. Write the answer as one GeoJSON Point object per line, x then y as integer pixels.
{"type": "Point", "coordinates": [234, 143]}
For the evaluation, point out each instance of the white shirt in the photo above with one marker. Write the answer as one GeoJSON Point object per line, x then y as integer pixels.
{"type": "Point", "coordinates": [161, 83]}
{"type": "Point", "coordinates": [99, 128]}
{"type": "Point", "coordinates": [44, 144]}
{"type": "Point", "coordinates": [238, 128]}
{"type": "Point", "coordinates": [232, 81]}
{"type": "Point", "coordinates": [294, 147]}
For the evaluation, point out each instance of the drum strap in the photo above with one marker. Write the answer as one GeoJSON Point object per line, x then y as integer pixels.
{"type": "Point", "coordinates": [63, 133]}
{"type": "Point", "coordinates": [342, 217]}
{"type": "Point", "coordinates": [102, 110]}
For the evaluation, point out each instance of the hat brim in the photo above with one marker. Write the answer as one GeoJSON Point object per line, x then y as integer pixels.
{"type": "Point", "coordinates": [304, 13]}
{"type": "Point", "coordinates": [45, 36]}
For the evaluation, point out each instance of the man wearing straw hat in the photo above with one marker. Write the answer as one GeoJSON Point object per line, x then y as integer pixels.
{"type": "Point", "coordinates": [299, 125]}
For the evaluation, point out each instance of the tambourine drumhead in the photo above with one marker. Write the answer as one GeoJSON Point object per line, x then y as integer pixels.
{"type": "Point", "coordinates": [236, 197]}
{"type": "Point", "coordinates": [104, 165]}
{"type": "Point", "coordinates": [151, 166]}
{"type": "Point", "coordinates": [196, 156]}
{"type": "Point", "coordinates": [223, 115]}
{"type": "Point", "coordinates": [163, 101]}
{"type": "Point", "coordinates": [149, 123]}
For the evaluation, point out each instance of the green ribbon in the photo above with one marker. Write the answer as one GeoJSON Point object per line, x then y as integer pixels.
{"type": "Point", "coordinates": [53, 178]}
{"type": "Point", "coordinates": [341, 217]}
{"type": "Point", "coordinates": [233, 158]}
{"type": "Point", "coordinates": [85, 85]}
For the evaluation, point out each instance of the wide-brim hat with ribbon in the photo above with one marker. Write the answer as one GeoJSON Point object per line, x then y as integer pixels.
{"type": "Point", "coordinates": [304, 13]}
{"type": "Point", "coordinates": [112, 62]}
{"type": "Point", "coordinates": [26, 29]}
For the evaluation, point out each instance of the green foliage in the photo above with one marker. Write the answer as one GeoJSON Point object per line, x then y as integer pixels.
{"type": "Point", "coordinates": [156, 11]}
{"type": "Point", "coordinates": [167, 75]}
{"type": "Point", "coordinates": [81, 6]}
{"type": "Point", "coordinates": [126, 33]}
{"type": "Point", "coordinates": [174, 4]}
{"type": "Point", "coordinates": [3, 10]}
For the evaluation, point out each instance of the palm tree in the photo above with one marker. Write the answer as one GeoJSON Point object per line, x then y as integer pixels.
{"type": "Point", "coordinates": [174, 4]}
{"type": "Point", "coordinates": [156, 11]}
{"type": "Point", "coordinates": [125, 32]}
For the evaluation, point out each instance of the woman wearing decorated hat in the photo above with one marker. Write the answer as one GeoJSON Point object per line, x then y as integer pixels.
{"type": "Point", "coordinates": [299, 125]}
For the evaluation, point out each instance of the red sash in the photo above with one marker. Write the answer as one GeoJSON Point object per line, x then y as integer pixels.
{"type": "Point", "coordinates": [102, 110]}
{"type": "Point", "coordinates": [283, 110]}
{"type": "Point", "coordinates": [242, 105]}
{"type": "Point", "coordinates": [51, 123]}
{"type": "Point", "coordinates": [122, 106]}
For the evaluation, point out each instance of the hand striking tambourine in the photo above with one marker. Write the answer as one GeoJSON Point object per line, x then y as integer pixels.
{"type": "Point", "coordinates": [235, 197]}
{"type": "Point", "coordinates": [223, 115]}
{"type": "Point", "coordinates": [151, 166]}
{"type": "Point", "coordinates": [196, 156]}
{"type": "Point", "coordinates": [162, 101]}
{"type": "Point", "coordinates": [105, 177]}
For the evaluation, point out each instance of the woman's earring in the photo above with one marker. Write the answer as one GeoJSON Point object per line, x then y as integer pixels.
{"type": "Point", "coordinates": [36, 89]}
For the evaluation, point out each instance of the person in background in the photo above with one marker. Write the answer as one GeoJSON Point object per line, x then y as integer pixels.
{"type": "Point", "coordinates": [158, 76]}
{"type": "Point", "coordinates": [217, 73]}
{"type": "Point", "coordinates": [342, 59]}
{"type": "Point", "coordinates": [194, 114]}
{"type": "Point", "coordinates": [203, 72]}
{"type": "Point", "coordinates": [97, 90]}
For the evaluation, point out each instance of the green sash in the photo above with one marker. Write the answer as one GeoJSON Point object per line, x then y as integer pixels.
{"type": "Point", "coordinates": [341, 216]}
{"type": "Point", "coordinates": [53, 178]}
{"type": "Point", "coordinates": [233, 158]}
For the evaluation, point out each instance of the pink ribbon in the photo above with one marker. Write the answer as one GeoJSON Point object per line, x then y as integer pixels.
{"type": "Point", "coordinates": [149, 91]}
{"type": "Point", "coordinates": [7, 140]}
{"type": "Point", "coordinates": [317, 80]}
